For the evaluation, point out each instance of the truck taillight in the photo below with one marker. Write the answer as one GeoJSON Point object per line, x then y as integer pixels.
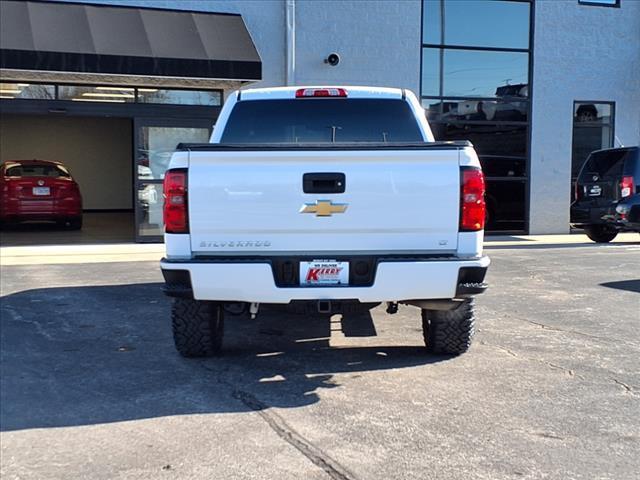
{"type": "Point", "coordinates": [472, 203]}
{"type": "Point", "coordinates": [320, 92]}
{"type": "Point", "coordinates": [175, 201]}
{"type": "Point", "coordinates": [626, 187]}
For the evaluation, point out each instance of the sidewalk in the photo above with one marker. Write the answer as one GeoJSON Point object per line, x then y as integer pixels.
{"type": "Point", "coordinates": [62, 254]}
{"type": "Point", "coordinates": [145, 252]}
{"type": "Point", "coordinates": [550, 241]}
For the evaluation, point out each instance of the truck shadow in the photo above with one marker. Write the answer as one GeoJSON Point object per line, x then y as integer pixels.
{"type": "Point", "coordinates": [89, 355]}
{"type": "Point", "coordinates": [628, 285]}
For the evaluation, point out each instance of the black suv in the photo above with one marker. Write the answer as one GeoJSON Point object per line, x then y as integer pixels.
{"type": "Point", "coordinates": [608, 194]}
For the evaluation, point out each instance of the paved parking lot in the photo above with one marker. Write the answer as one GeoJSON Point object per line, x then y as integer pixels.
{"type": "Point", "coordinates": [92, 388]}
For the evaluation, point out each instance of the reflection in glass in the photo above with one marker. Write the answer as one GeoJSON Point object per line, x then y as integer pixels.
{"type": "Point", "coordinates": [587, 140]}
{"type": "Point", "coordinates": [431, 22]}
{"type": "Point", "coordinates": [179, 97]}
{"type": "Point", "coordinates": [109, 94]}
{"type": "Point", "coordinates": [486, 23]}
{"type": "Point", "coordinates": [505, 204]}
{"type": "Point", "coordinates": [81, 93]}
{"type": "Point", "coordinates": [592, 130]}
{"type": "Point", "coordinates": [595, 113]}
{"type": "Point", "coordinates": [503, 109]}
{"type": "Point", "coordinates": [502, 150]}
{"type": "Point", "coordinates": [431, 71]}
{"type": "Point", "coordinates": [157, 144]}
{"type": "Point", "coordinates": [150, 204]}
{"type": "Point", "coordinates": [434, 109]}
{"type": "Point", "coordinates": [470, 73]}
{"type": "Point", "coordinates": [503, 166]}
{"type": "Point", "coordinates": [481, 92]}
{"type": "Point", "coordinates": [608, 3]}
{"type": "Point", "coordinates": [10, 91]}
{"type": "Point", "coordinates": [498, 140]}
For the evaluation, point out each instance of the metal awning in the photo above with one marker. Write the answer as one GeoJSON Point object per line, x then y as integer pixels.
{"type": "Point", "coordinates": [79, 39]}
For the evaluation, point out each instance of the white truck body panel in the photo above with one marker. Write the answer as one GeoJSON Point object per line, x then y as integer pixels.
{"type": "Point", "coordinates": [246, 204]}
{"type": "Point", "coordinates": [402, 201]}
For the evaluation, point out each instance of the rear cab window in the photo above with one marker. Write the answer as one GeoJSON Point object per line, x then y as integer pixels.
{"type": "Point", "coordinates": [321, 120]}
{"type": "Point", "coordinates": [36, 170]}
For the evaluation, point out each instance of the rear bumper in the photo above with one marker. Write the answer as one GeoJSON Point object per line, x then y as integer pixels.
{"type": "Point", "coordinates": [588, 215]}
{"type": "Point", "coordinates": [16, 209]}
{"type": "Point", "coordinates": [622, 215]}
{"type": "Point", "coordinates": [628, 213]}
{"type": "Point", "coordinates": [39, 216]}
{"type": "Point", "coordinates": [255, 282]}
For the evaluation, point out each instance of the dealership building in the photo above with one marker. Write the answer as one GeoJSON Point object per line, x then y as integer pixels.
{"type": "Point", "coordinates": [109, 87]}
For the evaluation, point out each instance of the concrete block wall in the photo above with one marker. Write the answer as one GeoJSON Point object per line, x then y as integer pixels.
{"type": "Point", "coordinates": [378, 42]}
{"type": "Point", "coordinates": [581, 52]}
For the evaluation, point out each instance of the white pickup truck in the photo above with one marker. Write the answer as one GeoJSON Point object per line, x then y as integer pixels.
{"type": "Point", "coordinates": [325, 196]}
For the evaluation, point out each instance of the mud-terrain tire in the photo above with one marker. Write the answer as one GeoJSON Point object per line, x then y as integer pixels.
{"type": "Point", "coordinates": [198, 327]}
{"type": "Point", "coordinates": [600, 233]}
{"type": "Point", "coordinates": [449, 331]}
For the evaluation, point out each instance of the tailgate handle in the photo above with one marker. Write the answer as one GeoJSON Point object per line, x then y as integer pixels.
{"type": "Point", "coordinates": [323, 182]}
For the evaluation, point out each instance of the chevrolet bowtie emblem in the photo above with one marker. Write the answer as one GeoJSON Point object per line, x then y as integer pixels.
{"type": "Point", "coordinates": [323, 208]}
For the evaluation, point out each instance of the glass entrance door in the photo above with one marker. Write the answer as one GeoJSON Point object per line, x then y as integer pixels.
{"type": "Point", "coordinates": [155, 142]}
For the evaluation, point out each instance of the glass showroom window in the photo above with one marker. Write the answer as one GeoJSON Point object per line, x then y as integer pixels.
{"type": "Point", "coordinates": [180, 97]}
{"type": "Point", "coordinates": [472, 73]}
{"type": "Point", "coordinates": [475, 86]}
{"type": "Point", "coordinates": [110, 94]}
{"type": "Point", "coordinates": [592, 130]}
{"type": "Point", "coordinates": [27, 91]}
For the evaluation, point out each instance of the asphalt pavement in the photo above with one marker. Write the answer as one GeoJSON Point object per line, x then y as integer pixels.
{"type": "Point", "coordinates": [91, 386]}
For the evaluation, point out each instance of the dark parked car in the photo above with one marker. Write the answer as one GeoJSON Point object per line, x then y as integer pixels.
{"type": "Point", "coordinates": [608, 194]}
{"type": "Point", "coordinates": [39, 190]}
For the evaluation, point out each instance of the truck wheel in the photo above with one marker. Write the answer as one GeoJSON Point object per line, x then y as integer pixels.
{"type": "Point", "coordinates": [197, 327]}
{"type": "Point", "coordinates": [449, 331]}
{"type": "Point", "coordinates": [600, 233]}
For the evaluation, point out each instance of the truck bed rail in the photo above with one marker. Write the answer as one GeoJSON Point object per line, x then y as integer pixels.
{"type": "Point", "coordinates": [230, 147]}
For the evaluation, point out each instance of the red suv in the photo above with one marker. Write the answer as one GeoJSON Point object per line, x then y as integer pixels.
{"type": "Point", "coordinates": [39, 190]}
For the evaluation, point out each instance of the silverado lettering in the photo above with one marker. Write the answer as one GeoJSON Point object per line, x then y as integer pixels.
{"type": "Point", "coordinates": [236, 244]}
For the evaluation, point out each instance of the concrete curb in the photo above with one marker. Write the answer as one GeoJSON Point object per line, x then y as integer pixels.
{"type": "Point", "coordinates": [561, 240]}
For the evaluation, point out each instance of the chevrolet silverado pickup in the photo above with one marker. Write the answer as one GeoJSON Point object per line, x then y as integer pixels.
{"type": "Point", "coordinates": [329, 197]}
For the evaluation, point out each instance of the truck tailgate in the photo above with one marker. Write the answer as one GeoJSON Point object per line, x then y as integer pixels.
{"type": "Point", "coordinates": [253, 201]}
